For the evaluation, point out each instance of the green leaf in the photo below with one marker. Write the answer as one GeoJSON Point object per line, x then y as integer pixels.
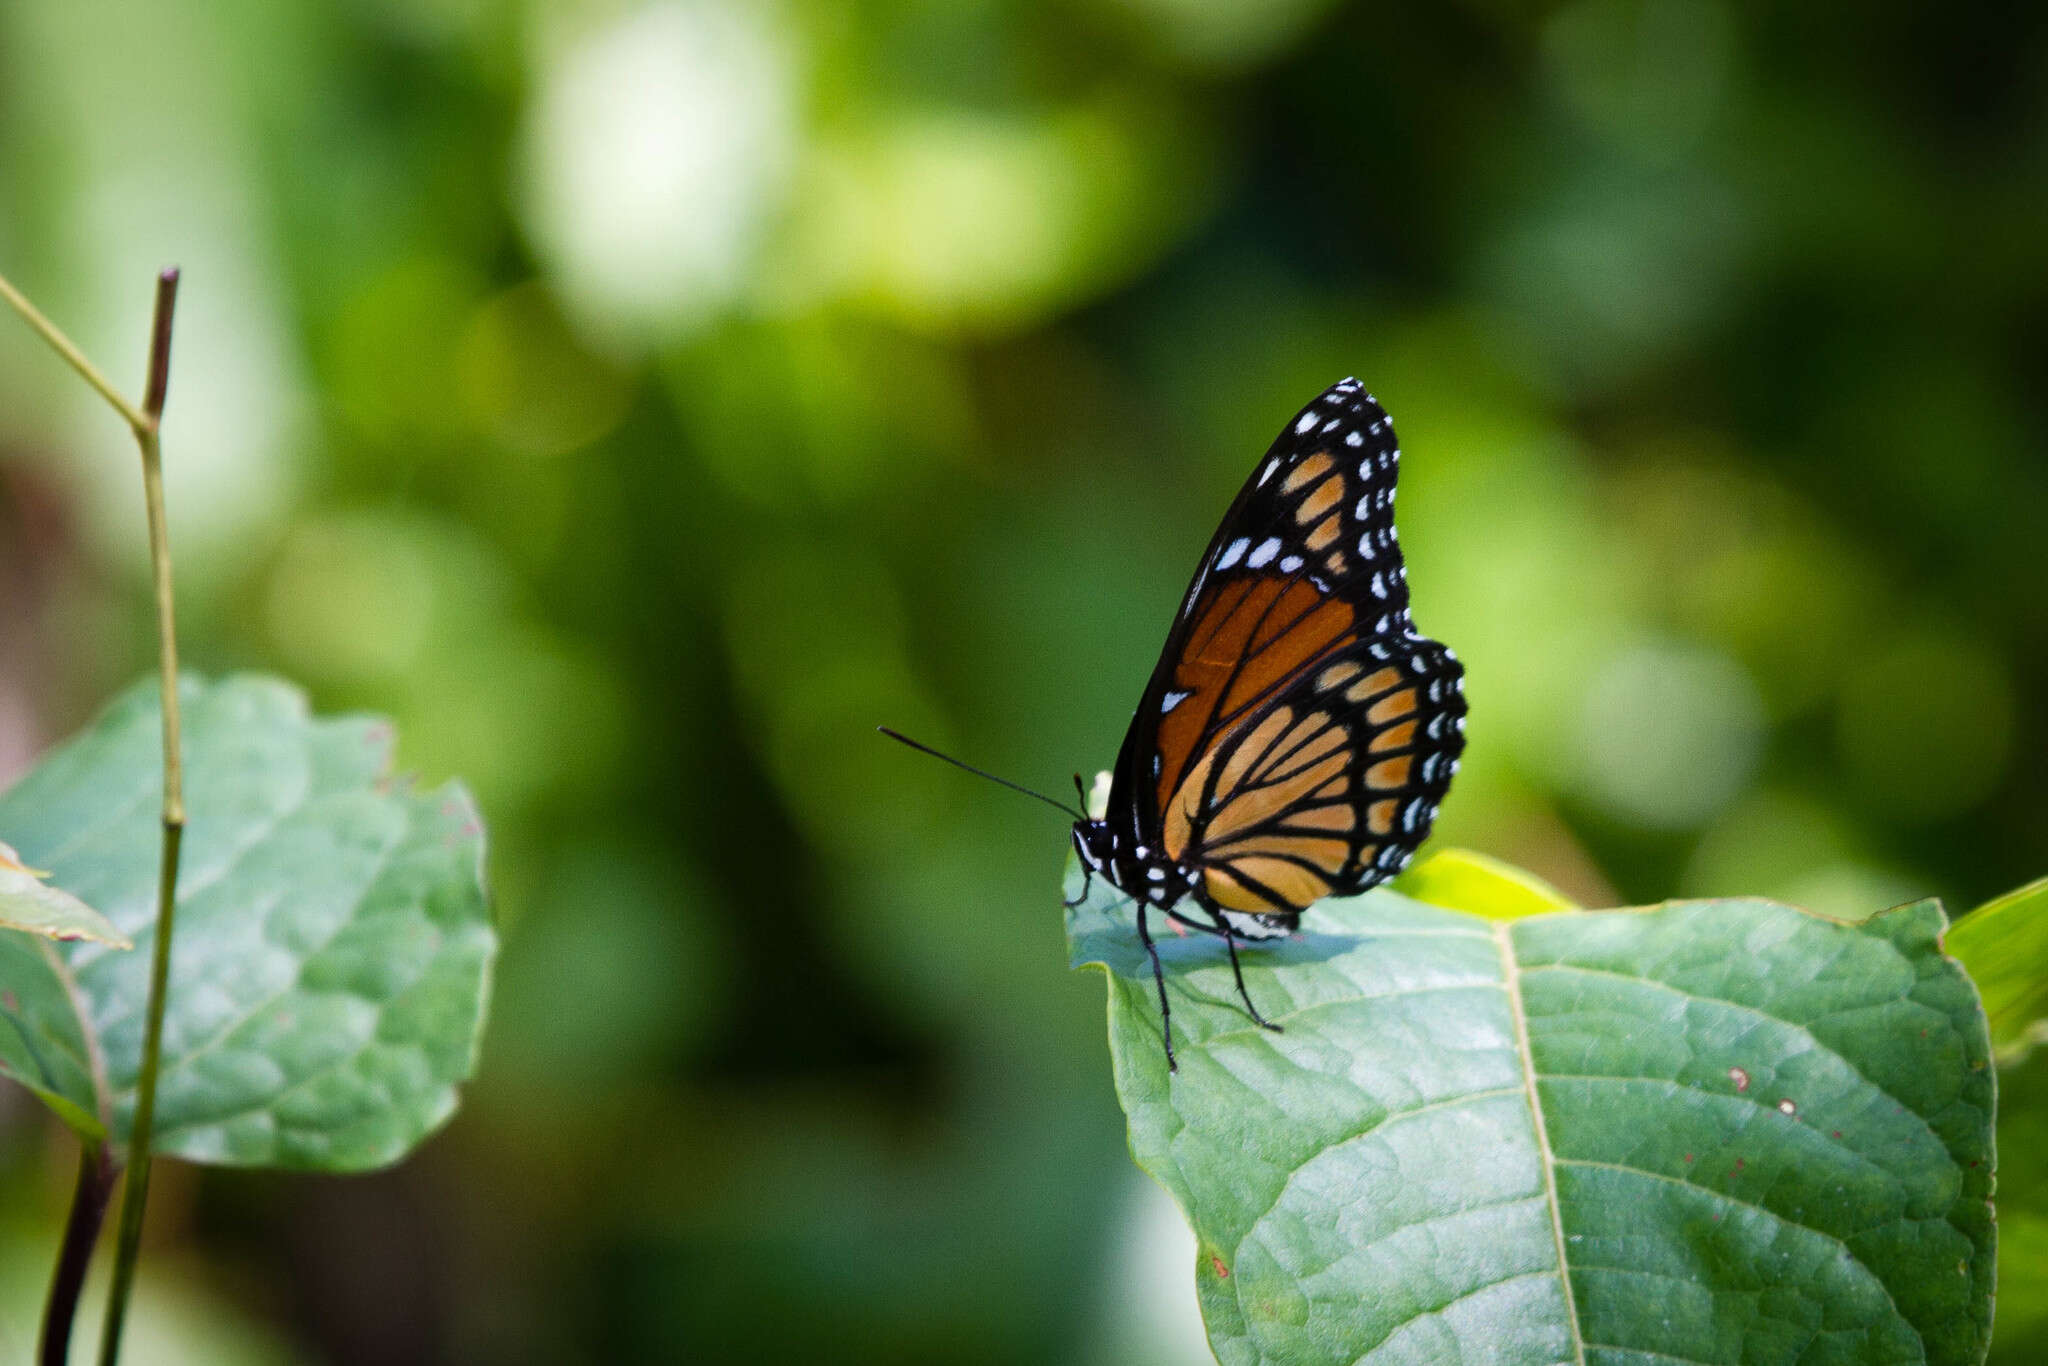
{"type": "Point", "coordinates": [30, 904]}
{"type": "Point", "coordinates": [2004, 944]}
{"type": "Point", "coordinates": [333, 948]}
{"type": "Point", "coordinates": [1746, 1133]}
{"type": "Point", "coordinates": [1462, 880]}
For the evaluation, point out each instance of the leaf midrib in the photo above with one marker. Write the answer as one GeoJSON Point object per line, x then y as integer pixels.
{"type": "Point", "coordinates": [1511, 978]}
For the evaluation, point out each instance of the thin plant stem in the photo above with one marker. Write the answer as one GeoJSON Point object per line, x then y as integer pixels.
{"type": "Point", "coordinates": [135, 1194]}
{"type": "Point", "coordinates": [73, 357]}
{"type": "Point", "coordinates": [96, 1176]}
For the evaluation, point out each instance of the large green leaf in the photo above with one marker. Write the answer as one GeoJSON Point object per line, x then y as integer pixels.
{"type": "Point", "coordinates": [332, 956]}
{"type": "Point", "coordinates": [1708, 1132]}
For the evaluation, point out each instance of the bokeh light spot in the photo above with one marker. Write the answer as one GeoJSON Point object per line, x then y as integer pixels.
{"type": "Point", "coordinates": [1225, 34]}
{"type": "Point", "coordinates": [1647, 75]}
{"type": "Point", "coordinates": [350, 599]}
{"type": "Point", "coordinates": [528, 383]}
{"type": "Point", "coordinates": [1668, 734]}
{"type": "Point", "coordinates": [966, 220]}
{"type": "Point", "coordinates": [656, 153]}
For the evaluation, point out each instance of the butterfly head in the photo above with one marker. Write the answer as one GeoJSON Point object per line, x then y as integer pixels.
{"type": "Point", "coordinates": [1138, 871]}
{"type": "Point", "coordinates": [1095, 843]}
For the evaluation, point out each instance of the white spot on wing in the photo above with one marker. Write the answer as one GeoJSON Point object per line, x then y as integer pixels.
{"type": "Point", "coordinates": [1170, 701]}
{"type": "Point", "coordinates": [1290, 564]}
{"type": "Point", "coordinates": [1354, 438]}
{"type": "Point", "coordinates": [1247, 926]}
{"type": "Point", "coordinates": [1232, 553]}
{"type": "Point", "coordinates": [1307, 420]}
{"type": "Point", "coordinates": [1263, 556]}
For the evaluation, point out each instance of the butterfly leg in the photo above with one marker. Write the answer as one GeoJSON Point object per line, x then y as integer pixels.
{"type": "Point", "coordinates": [1159, 980]}
{"type": "Point", "coordinates": [1230, 942]}
{"type": "Point", "coordinates": [1087, 881]}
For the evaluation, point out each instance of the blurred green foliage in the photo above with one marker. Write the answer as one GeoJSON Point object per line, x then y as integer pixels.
{"type": "Point", "coordinates": [641, 401]}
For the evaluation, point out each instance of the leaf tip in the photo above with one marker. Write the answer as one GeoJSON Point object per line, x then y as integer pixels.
{"type": "Point", "coordinates": [1479, 884]}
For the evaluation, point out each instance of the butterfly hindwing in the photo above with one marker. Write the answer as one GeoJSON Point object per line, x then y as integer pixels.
{"type": "Point", "coordinates": [1331, 787]}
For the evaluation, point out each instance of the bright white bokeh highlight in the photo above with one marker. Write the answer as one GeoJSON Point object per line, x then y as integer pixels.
{"type": "Point", "coordinates": [1151, 1316]}
{"type": "Point", "coordinates": [131, 99]}
{"type": "Point", "coordinates": [655, 157]}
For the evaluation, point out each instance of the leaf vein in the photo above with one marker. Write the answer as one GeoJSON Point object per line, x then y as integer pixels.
{"type": "Point", "coordinates": [1804, 1031]}
{"type": "Point", "coordinates": [1458, 1298]}
{"type": "Point", "coordinates": [1511, 970]}
{"type": "Point", "coordinates": [1300, 1012]}
{"type": "Point", "coordinates": [1649, 1352]}
{"type": "Point", "coordinates": [1737, 1200]}
{"type": "Point", "coordinates": [1383, 1121]}
{"type": "Point", "coordinates": [341, 926]}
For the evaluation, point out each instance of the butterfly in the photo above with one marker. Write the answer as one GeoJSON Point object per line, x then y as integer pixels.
{"type": "Point", "coordinates": [1298, 733]}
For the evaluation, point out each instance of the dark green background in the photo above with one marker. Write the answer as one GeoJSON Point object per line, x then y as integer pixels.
{"type": "Point", "coordinates": [640, 404]}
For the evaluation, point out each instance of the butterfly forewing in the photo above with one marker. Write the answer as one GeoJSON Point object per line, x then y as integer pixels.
{"type": "Point", "coordinates": [1297, 734]}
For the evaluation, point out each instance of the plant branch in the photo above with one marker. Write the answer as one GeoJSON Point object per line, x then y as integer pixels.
{"type": "Point", "coordinates": [98, 1167]}
{"type": "Point", "coordinates": [135, 1194]}
{"type": "Point", "coordinates": [96, 1176]}
{"type": "Point", "coordinates": [73, 357]}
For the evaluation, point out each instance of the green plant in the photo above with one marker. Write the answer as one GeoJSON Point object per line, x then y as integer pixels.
{"type": "Point", "coordinates": [334, 963]}
{"type": "Point", "coordinates": [1500, 1128]}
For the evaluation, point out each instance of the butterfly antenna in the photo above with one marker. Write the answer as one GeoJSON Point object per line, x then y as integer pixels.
{"type": "Point", "coordinates": [1061, 807]}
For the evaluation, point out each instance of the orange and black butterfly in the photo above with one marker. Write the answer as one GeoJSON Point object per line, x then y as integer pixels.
{"type": "Point", "coordinates": [1298, 733]}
